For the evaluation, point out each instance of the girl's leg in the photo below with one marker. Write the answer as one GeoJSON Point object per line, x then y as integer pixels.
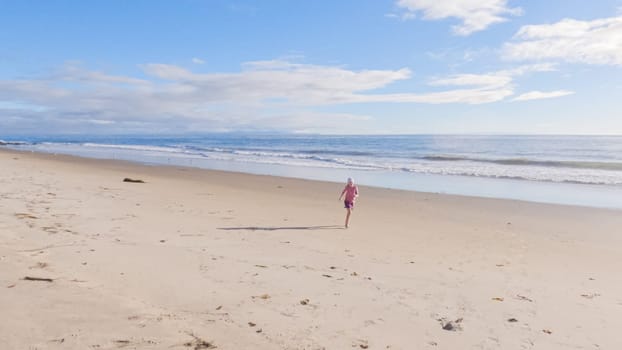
{"type": "Point", "coordinates": [348, 216]}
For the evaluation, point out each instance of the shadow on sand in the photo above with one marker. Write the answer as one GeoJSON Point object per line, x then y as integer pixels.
{"type": "Point", "coordinates": [275, 228]}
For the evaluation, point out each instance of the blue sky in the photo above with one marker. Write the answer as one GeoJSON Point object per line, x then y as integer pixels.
{"type": "Point", "coordinates": [364, 66]}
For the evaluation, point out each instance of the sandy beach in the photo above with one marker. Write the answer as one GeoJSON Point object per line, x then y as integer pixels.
{"type": "Point", "coordinates": [199, 259]}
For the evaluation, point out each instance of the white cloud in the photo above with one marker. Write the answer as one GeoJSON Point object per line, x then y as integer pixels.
{"type": "Point", "coordinates": [487, 80]}
{"type": "Point", "coordinates": [74, 72]}
{"type": "Point", "coordinates": [476, 15]}
{"type": "Point", "coordinates": [539, 95]}
{"type": "Point", "coordinates": [273, 94]}
{"type": "Point", "coordinates": [101, 122]}
{"type": "Point", "coordinates": [404, 16]}
{"type": "Point", "coordinates": [484, 88]}
{"type": "Point", "coordinates": [593, 42]}
{"type": "Point", "coordinates": [196, 60]}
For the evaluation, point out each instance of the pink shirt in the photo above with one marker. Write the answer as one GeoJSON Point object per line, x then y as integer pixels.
{"type": "Point", "coordinates": [351, 193]}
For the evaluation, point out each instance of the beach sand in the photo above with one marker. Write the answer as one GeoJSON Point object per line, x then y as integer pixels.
{"type": "Point", "coordinates": [195, 259]}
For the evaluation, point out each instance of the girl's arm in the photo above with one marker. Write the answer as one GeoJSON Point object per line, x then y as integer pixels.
{"type": "Point", "coordinates": [342, 192]}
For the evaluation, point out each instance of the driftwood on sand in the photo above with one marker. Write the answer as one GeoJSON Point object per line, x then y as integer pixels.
{"type": "Point", "coordinates": [28, 278]}
{"type": "Point", "coordinates": [127, 179]}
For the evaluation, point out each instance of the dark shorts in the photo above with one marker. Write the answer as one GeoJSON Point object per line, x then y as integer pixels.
{"type": "Point", "coordinates": [348, 204]}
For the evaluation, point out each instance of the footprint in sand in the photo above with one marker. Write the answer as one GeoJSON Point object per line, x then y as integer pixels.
{"type": "Point", "coordinates": [263, 296]}
{"type": "Point", "coordinates": [50, 229]}
{"type": "Point", "coordinates": [121, 343]}
{"type": "Point", "coordinates": [39, 265]}
{"type": "Point", "coordinates": [25, 216]}
{"type": "Point", "coordinates": [524, 298]}
{"type": "Point", "coordinates": [590, 296]}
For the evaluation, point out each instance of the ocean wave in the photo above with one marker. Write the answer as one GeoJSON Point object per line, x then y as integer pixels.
{"type": "Point", "coordinates": [283, 151]}
{"type": "Point", "coordinates": [529, 174]}
{"type": "Point", "coordinates": [615, 166]}
{"type": "Point", "coordinates": [134, 147]}
{"type": "Point", "coordinates": [576, 172]}
{"type": "Point", "coordinates": [501, 170]}
{"type": "Point", "coordinates": [13, 143]}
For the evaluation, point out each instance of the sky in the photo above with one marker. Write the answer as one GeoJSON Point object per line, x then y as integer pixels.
{"type": "Point", "coordinates": [320, 66]}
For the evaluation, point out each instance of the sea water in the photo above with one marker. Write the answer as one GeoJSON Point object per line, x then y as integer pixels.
{"type": "Point", "coordinates": [578, 170]}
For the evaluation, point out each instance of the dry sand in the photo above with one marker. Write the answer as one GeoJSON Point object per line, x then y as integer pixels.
{"type": "Point", "coordinates": [194, 258]}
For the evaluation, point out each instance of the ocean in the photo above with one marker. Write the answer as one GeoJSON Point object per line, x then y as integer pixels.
{"type": "Point", "coordinates": [577, 170]}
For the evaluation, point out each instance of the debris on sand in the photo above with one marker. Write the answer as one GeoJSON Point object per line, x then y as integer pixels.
{"type": "Point", "coordinates": [28, 278]}
{"type": "Point", "coordinates": [304, 302]}
{"type": "Point", "coordinates": [198, 343]}
{"type": "Point", "coordinates": [452, 326]}
{"type": "Point", "coordinates": [138, 181]}
{"type": "Point", "coordinates": [521, 297]}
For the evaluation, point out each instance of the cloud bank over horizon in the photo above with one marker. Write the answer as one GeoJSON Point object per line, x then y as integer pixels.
{"type": "Point", "coordinates": [271, 95]}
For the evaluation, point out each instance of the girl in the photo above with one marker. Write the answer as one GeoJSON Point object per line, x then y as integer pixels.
{"type": "Point", "coordinates": [351, 192]}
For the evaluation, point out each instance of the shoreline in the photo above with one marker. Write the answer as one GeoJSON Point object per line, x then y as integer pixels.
{"type": "Point", "coordinates": [497, 189]}
{"type": "Point", "coordinates": [197, 256]}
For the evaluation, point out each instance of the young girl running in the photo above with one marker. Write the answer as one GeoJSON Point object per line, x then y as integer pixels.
{"type": "Point", "coordinates": [351, 192]}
